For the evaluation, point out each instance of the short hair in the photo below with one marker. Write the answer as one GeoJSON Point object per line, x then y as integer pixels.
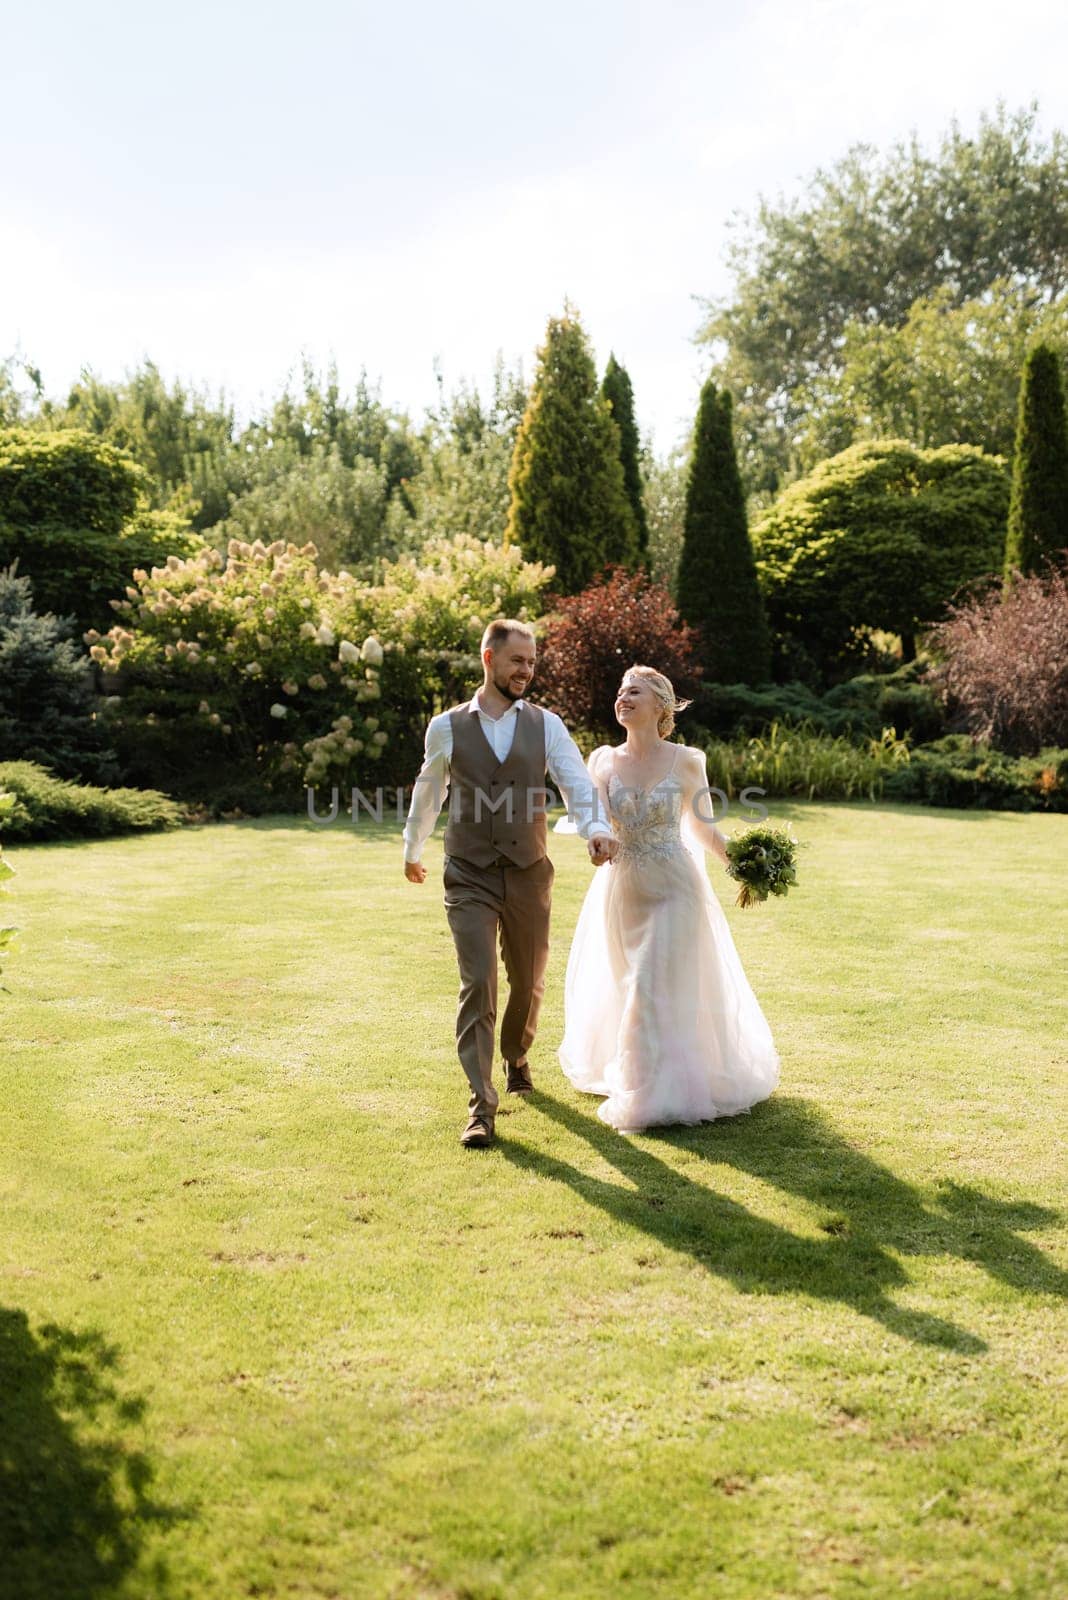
{"type": "Point", "coordinates": [665, 693]}
{"type": "Point", "coordinates": [500, 629]}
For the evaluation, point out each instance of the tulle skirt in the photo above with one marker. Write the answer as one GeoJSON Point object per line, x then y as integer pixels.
{"type": "Point", "coordinates": [659, 1015]}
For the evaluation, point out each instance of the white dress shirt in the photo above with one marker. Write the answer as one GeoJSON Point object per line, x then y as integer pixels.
{"type": "Point", "coordinates": [566, 768]}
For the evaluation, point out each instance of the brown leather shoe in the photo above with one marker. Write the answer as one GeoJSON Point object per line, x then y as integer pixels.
{"type": "Point", "coordinates": [479, 1131]}
{"type": "Point", "coordinates": [519, 1079]}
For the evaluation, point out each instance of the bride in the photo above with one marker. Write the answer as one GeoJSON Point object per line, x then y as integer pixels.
{"type": "Point", "coordinates": [659, 1015]}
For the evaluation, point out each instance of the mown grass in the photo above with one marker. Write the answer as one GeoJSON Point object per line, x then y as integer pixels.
{"type": "Point", "coordinates": [266, 1329]}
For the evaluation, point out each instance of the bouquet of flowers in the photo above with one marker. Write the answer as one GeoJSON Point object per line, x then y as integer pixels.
{"type": "Point", "coordinates": [762, 860]}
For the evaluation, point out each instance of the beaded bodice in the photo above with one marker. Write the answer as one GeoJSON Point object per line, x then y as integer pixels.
{"type": "Point", "coordinates": [647, 822]}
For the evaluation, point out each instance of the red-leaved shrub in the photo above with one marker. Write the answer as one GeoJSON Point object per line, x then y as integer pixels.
{"type": "Point", "coordinates": [1004, 675]}
{"type": "Point", "coordinates": [622, 620]}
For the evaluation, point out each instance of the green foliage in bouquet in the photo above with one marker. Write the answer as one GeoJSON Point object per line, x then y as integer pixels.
{"type": "Point", "coordinates": [763, 861]}
{"type": "Point", "coordinates": [7, 934]}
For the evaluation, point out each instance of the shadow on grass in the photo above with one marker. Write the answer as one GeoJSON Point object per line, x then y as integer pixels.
{"type": "Point", "coordinates": [869, 1213]}
{"type": "Point", "coordinates": [75, 1495]}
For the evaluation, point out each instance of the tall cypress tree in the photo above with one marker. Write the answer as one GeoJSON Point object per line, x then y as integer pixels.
{"type": "Point", "coordinates": [619, 392]}
{"type": "Point", "coordinates": [716, 588]}
{"type": "Point", "coordinates": [568, 499]}
{"type": "Point", "coordinates": [1038, 508]}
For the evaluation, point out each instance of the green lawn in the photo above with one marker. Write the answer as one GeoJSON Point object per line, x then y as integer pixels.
{"type": "Point", "coordinates": [266, 1329]}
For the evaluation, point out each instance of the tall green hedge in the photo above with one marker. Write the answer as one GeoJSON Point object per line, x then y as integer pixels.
{"type": "Point", "coordinates": [1038, 512]}
{"type": "Point", "coordinates": [569, 502]}
{"type": "Point", "coordinates": [618, 390]}
{"type": "Point", "coordinates": [716, 587]}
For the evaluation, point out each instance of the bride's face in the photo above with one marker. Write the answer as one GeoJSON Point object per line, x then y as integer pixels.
{"type": "Point", "coordinates": [636, 704]}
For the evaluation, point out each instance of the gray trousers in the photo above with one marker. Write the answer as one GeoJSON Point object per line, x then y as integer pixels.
{"type": "Point", "coordinates": [483, 903]}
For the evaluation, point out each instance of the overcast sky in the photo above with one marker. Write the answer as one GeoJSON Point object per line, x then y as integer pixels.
{"type": "Point", "coordinates": [223, 187]}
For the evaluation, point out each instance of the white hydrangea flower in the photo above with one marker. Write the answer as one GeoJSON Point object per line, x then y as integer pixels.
{"type": "Point", "coordinates": [279, 710]}
{"type": "Point", "coordinates": [347, 651]}
{"type": "Point", "coordinates": [372, 651]}
{"type": "Point", "coordinates": [325, 634]}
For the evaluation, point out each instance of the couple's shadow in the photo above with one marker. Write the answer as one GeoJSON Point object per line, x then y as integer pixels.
{"type": "Point", "coordinates": [78, 1500]}
{"type": "Point", "coordinates": [863, 1212]}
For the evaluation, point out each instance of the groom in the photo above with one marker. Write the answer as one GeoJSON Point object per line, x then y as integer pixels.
{"type": "Point", "coordinates": [495, 751]}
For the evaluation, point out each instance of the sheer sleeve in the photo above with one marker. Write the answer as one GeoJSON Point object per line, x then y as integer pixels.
{"type": "Point", "coordinates": [698, 802]}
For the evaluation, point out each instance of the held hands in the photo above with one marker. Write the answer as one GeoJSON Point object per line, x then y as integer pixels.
{"type": "Point", "coordinates": [602, 848]}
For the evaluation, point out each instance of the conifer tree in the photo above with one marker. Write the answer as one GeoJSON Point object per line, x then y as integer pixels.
{"type": "Point", "coordinates": [569, 502]}
{"type": "Point", "coordinates": [716, 588]}
{"type": "Point", "coordinates": [619, 392]}
{"type": "Point", "coordinates": [1038, 508]}
{"type": "Point", "coordinates": [47, 692]}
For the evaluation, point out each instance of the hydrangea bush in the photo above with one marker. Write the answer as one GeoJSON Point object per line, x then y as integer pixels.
{"type": "Point", "coordinates": [435, 605]}
{"type": "Point", "coordinates": [243, 678]}
{"type": "Point", "coordinates": [233, 666]}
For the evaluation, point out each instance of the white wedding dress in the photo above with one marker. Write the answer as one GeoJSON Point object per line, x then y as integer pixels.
{"type": "Point", "coordinates": [659, 1015]}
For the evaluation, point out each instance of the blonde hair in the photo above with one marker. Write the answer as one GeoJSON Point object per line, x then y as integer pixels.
{"type": "Point", "coordinates": [500, 629]}
{"type": "Point", "coordinates": [664, 692]}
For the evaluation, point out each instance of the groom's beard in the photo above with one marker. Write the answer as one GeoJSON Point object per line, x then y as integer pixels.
{"type": "Point", "coordinates": [508, 692]}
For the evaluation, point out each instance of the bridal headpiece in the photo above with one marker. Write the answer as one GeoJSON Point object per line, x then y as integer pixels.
{"type": "Point", "coordinates": [664, 691]}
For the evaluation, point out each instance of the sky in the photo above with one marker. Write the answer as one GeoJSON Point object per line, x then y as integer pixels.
{"type": "Point", "coordinates": [228, 188]}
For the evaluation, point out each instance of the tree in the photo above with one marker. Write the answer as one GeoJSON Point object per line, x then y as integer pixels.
{"type": "Point", "coordinates": [665, 508]}
{"type": "Point", "coordinates": [183, 441]}
{"type": "Point", "coordinates": [716, 587]}
{"type": "Point", "coordinates": [463, 487]}
{"type": "Point", "coordinates": [74, 514]}
{"type": "Point", "coordinates": [346, 512]}
{"type": "Point", "coordinates": [47, 691]}
{"type": "Point", "coordinates": [569, 501]}
{"type": "Point", "coordinates": [619, 392]}
{"type": "Point", "coordinates": [878, 537]}
{"type": "Point", "coordinates": [949, 374]}
{"type": "Point", "coordinates": [1038, 510]}
{"type": "Point", "coordinates": [867, 240]}
{"type": "Point", "coordinates": [620, 621]}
